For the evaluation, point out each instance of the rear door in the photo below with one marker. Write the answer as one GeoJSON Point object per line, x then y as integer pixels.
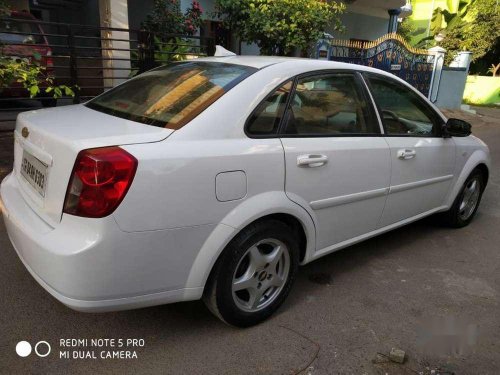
{"type": "Point", "coordinates": [337, 162]}
{"type": "Point", "coordinates": [422, 160]}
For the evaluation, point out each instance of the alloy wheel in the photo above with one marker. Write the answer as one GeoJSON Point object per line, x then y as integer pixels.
{"type": "Point", "coordinates": [260, 275]}
{"type": "Point", "coordinates": [470, 198]}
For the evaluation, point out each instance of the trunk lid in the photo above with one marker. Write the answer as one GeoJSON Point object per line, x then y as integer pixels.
{"type": "Point", "coordinates": [48, 141]}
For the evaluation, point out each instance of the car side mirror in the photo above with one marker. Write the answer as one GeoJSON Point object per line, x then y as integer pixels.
{"type": "Point", "coordinates": [455, 127]}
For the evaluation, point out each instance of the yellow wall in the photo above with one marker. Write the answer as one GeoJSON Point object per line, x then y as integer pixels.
{"type": "Point", "coordinates": [482, 90]}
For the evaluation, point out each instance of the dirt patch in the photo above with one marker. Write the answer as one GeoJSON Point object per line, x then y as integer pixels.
{"type": "Point", "coordinates": [481, 118]}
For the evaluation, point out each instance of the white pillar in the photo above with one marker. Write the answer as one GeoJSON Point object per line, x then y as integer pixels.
{"type": "Point", "coordinates": [437, 70]}
{"type": "Point", "coordinates": [114, 14]}
{"type": "Point", "coordinates": [462, 60]}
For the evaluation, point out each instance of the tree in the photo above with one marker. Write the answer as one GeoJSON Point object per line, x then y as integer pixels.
{"type": "Point", "coordinates": [280, 26]}
{"type": "Point", "coordinates": [407, 29]}
{"type": "Point", "coordinates": [494, 69]}
{"type": "Point", "coordinates": [475, 27]}
{"type": "Point", "coordinates": [167, 19]}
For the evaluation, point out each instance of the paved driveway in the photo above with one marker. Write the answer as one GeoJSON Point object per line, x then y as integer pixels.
{"type": "Point", "coordinates": [431, 291]}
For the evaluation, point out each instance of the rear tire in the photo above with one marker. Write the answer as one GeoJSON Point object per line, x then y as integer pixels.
{"type": "Point", "coordinates": [254, 274]}
{"type": "Point", "coordinates": [466, 203]}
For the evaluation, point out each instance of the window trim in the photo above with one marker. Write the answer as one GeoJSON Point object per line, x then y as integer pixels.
{"type": "Point", "coordinates": [372, 112]}
{"type": "Point", "coordinates": [271, 93]}
{"type": "Point", "coordinates": [374, 107]}
{"type": "Point", "coordinates": [437, 121]}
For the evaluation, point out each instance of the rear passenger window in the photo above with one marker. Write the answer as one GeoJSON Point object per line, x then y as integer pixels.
{"type": "Point", "coordinates": [267, 117]}
{"type": "Point", "coordinates": [329, 105]}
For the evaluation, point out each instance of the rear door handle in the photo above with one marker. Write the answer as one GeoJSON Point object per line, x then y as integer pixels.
{"type": "Point", "coordinates": [406, 154]}
{"type": "Point", "coordinates": [311, 161]}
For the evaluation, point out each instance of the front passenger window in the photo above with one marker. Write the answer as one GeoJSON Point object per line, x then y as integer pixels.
{"type": "Point", "coordinates": [403, 112]}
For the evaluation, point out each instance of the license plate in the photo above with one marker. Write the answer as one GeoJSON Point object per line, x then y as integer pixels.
{"type": "Point", "coordinates": [35, 172]}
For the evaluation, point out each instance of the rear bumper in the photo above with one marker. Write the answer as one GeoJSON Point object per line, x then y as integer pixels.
{"type": "Point", "coordinates": [91, 265]}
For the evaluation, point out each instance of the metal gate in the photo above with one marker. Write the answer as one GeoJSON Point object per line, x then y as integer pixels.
{"type": "Point", "coordinates": [389, 52]}
{"type": "Point", "coordinates": [90, 59]}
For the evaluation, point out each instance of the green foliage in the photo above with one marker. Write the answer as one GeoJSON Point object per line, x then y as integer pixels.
{"type": "Point", "coordinates": [475, 27]}
{"type": "Point", "coordinates": [174, 49]}
{"type": "Point", "coordinates": [407, 29]}
{"type": "Point", "coordinates": [280, 26]}
{"type": "Point", "coordinates": [28, 72]}
{"type": "Point", "coordinates": [484, 32]}
{"type": "Point", "coordinates": [30, 75]}
{"type": "Point", "coordinates": [167, 18]}
{"type": "Point", "coordinates": [442, 21]}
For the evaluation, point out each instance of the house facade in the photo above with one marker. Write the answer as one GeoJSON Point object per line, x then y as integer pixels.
{"type": "Point", "coordinates": [363, 19]}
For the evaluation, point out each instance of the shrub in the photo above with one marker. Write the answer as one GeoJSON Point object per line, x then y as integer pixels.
{"type": "Point", "coordinates": [280, 26]}
{"type": "Point", "coordinates": [167, 19]}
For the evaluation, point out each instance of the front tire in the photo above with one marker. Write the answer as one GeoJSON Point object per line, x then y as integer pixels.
{"type": "Point", "coordinates": [254, 274]}
{"type": "Point", "coordinates": [466, 203]}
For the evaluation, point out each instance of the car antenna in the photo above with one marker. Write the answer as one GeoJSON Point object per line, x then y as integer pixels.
{"type": "Point", "coordinates": [222, 52]}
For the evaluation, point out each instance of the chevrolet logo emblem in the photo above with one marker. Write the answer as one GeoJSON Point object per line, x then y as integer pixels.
{"type": "Point", "coordinates": [25, 132]}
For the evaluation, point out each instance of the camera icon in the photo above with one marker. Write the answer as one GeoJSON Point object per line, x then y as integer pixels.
{"type": "Point", "coordinates": [42, 349]}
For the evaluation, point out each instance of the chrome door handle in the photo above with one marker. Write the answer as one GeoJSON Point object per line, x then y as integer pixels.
{"type": "Point", "coordinates": [406, 154]}
{"type": "Point", "coordinates": [311, 161]}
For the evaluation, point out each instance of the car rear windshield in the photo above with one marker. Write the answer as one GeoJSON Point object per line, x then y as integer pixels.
{"type": "Point", "coordinates": [172, 95]}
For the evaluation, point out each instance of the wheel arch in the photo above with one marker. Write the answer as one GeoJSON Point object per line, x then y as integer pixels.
{"type": "Point", "coordinates": [485, 171]}
{"type": "Point", "coordinates": [478, 160]}
{"type": "Point", "coordinates": [275, 205]}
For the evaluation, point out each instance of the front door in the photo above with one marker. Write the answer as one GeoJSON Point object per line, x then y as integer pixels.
{"type": "Point", "coordinates": [337, 163]}
{"type": "Point", "coordinates": [422, 160]}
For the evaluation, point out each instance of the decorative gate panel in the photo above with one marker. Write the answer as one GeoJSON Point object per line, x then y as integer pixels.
{"type": "Point", "coordinates": [390, 53]}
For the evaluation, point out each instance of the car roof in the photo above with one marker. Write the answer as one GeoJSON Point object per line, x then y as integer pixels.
{"type": "Point", "coordinates": [260, 62]}
{"type": "Point", "coordinates": [304, 65]}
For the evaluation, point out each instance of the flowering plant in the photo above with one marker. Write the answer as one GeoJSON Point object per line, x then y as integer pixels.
{"type": "Point", "coordinates": [167, 19]}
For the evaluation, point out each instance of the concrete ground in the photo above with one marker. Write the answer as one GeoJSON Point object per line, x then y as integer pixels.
{"type": "Point", "coordinates": [430, 291]}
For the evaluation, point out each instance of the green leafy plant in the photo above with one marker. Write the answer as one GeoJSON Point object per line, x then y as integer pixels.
{"type": "Point", "coordinates": [167, 19]}
{"type": "Point", "coordinates": [174, 49]}
{"type": "Point", "coordinates": [407, 29]}
{"type": "Point", "coordinates": [31, 76]}
{"type": "Point", "coordinates": [475, 27]}
{"type": "Point", "coordinates": [280, 27]}
{"type": "Point", "coordinates": [443, 20]}
{"type": "Point", "coordinates": [28, 72]}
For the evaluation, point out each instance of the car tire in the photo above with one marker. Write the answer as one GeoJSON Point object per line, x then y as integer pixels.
{"type": "Point", "coordinates": [466, 203]}
{"type": "Point", "coordinates": [254, 274]}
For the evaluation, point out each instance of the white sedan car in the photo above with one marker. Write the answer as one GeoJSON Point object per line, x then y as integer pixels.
{"type": "Point", "coordinates": [216, 178]}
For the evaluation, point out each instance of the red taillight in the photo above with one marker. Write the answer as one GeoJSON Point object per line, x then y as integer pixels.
{"type": "Point", "coordinates": [48, 60]}
{"type": "Point", "coordinates": [100, 180]}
